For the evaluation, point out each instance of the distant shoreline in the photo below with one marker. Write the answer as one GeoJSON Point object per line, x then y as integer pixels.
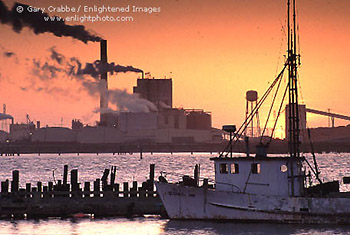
{"type": "Point", "coordinates": [277, 147]}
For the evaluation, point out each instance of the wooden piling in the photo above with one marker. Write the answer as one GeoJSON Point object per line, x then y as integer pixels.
{"type": "Point", "coordinates": [87, 186]}
{"type": "Point", "coordinates": [65, 174]}
{"type": "Point", "coordinates": [50, 184]}
{"type": "Point", "coordinates": [97, 188]}
{"type": "Point", "coordinates": [113, 172]}
{"type": "Point", "coordinates": [28, 187]}
{"type": "Point", "coordinates": [142, 192]}
{"type": "Point", "coordinates": [87, 189]}
{"type": "Point", "coordinates": [74, 180]}
{"type": "Point", "coordinates": [116, 189]}
{"type": "Point", "coordinates": [196, 174]}
{"type": "Point", "coordinates": [39, 186]}
{"type": "Point", "coordinates": [151, 177]}
{"type": "Point", "coordinates": [5, 186]}
{"type": "Point", "coordinates": [104, 179]}
{"type": "Point", "coordinates": [126, 189]}
{"type": "Point", "coordinates": [133, 190]}
{"type": "Point", "coordinates": [15, 181]}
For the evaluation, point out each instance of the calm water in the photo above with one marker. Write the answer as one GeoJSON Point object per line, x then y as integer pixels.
{"type": "Point", "coordinates": [35, 168]}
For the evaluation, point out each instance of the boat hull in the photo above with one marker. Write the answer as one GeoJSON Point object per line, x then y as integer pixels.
{"type": "Point", "coordinates": [184, 202]}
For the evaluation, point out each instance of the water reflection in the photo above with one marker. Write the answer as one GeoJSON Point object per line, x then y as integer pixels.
{"type": "Point", "coordinates": [218, 228]}
{"type": "Point", "coordinates": [157, 226]}
{"type": "Point", "coordinates": [35, 168]}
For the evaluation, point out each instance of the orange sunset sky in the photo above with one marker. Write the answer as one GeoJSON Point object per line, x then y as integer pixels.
{"type": "Point", "coordinates": [214, 50]}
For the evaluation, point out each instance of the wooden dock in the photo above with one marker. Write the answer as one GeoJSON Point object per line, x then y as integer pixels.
{"type": "Point", "coordinates": [100, 198]}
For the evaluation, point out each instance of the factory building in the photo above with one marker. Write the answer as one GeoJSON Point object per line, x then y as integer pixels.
{"type": "Point", "coordinates": [158, 91]}
{"type": "Point", "coordinates": [166, 125]}
{"type": "Point", "coordinates": [21, 131]}
{"type": "Point", "coordinates": [54, 135]}
{"type": "Point", "coordinates": [129, 121]}
{"type": "Point", "coordinates": [198, 119]}
{"type": "Point", "coordinates": [172, 119]}
{"type": "Point", "coordinates": [4, 136]}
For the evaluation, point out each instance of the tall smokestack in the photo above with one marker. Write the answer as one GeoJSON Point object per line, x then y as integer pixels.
{"type": "Point", "coordinates": [104, 84]}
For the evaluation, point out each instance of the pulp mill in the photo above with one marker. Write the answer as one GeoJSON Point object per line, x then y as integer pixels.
{"type": "Point", "coordinates": [165, 124]}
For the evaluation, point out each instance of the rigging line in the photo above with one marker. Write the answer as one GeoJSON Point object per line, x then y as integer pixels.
{"type": "Point", "coordinates": [312, 169]}
{"type": "Point", "coordinates": [246, 183]}
{"type": "Point", "coordinates": [244, 125]}
{"type": "Point", "coordinates": [259, 104]}
{"type": "Point", "coordinates": [317, 172]}
{"type": "Point", "coordinates": [279, 113]}
{"type": "Point", "coordinates": [299, 61]}
{"type": "Point", "coordinates": [300, 91]}
{"type": "Point", "coordinates": [272, 104]}
{"type": "Point", "coordinates": [283, 30]}
{"type": "Point", "coordinates": [239, 133]}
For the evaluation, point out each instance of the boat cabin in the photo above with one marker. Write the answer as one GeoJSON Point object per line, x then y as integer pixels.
{"type": "Point", "coordinates": [259, 175]}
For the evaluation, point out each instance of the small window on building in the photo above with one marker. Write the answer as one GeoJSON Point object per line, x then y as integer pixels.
{"type": "Point", "coordinates": [255, 168]}
{"type": "Point", "coordinates": [223, 168]}
{"type": "Point", "coordinates": [234, 168]}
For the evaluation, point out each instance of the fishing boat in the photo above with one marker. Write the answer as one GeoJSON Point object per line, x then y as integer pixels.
{"type": "Point", "coordinates": [262, 188]}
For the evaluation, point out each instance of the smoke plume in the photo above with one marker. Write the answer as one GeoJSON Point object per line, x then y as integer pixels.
{"type": "Point", "coordinates": [130, 102]}
{"type": "Point", "coordinates": [36, 21]}
{"type": "Point", "coordinates": [4, 116]}
{"type": "Point", "coordinates": [57, 65]}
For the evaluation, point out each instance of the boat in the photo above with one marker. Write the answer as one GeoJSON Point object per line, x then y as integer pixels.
{"type": "Point", "coordinates": [262, 188]}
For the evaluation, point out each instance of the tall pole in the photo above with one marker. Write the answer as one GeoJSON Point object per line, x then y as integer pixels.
{"type": "Point", "coordinates": [295, 78]}
{"type": "Point", "coordinates": [293, 107]}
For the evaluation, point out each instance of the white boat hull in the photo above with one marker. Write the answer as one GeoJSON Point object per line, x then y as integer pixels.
{"type": "Point", "coordinates": [184, 202]}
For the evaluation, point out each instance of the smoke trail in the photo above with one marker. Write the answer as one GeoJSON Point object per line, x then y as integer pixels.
{"type": "Point", "coordinates": [4, 116]}
{"type": "Point", "coordinates": [58, 65]}
{"type": "Point", "coordinates": [72, 67]}
{"type": "Point", "coordinates": [9, 53]}
{"type": "Point", "coordinates": [58, 57]}
{"type": "Point", "coordinates": [96, 68]}
{"type": "Point", "coordinates": [36, 22]}
{"type": "Point", "coordinates": [130, 102]}
{"type": "Point", "coordinates": [5, 52]}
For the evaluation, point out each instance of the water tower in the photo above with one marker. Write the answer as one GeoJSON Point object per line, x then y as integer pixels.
{"type": "Point", "coordinates": [253, 130]}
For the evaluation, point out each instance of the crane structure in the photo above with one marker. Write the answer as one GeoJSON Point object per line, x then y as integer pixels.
{"type": "Point", "coordinates": [328, 114]}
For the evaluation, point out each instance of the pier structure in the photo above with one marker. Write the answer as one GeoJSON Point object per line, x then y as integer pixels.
{"type": "Point", "coordinates": [100, 198]}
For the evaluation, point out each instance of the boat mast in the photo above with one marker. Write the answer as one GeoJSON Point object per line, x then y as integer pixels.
{"type": "Point", "coordinates": [293, 110]}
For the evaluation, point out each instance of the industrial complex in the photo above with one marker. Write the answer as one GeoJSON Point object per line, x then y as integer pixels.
{"type": "Point", "coordinates": [162, 124]}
